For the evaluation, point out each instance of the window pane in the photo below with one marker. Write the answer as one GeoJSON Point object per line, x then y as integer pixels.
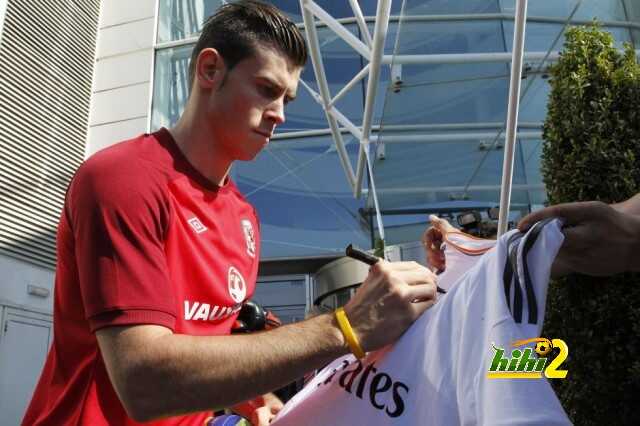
{"type": "Point", "coordinates": [180, 19]}
{"type": "Point", "coordinates": [170, 85]}
{"type": "Point", "coordinates": [539, 36]}
{"type": "Point", "coordinates": [603, 10]}
{"type": "Point", "coordinates": [446, 7]}
{"type": "Point", "coordinates": [304, 202]}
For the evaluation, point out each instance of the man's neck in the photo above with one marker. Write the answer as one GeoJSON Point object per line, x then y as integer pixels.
{"type": "Point", "coordinates": [201, 150]}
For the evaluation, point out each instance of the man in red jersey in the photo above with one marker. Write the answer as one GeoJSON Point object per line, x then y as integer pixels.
{"type": "Point", "coordinates": [157, 251]}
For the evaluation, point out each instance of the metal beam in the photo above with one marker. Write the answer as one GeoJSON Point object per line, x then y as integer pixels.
{"type": "Point", "coordinates": [471, 17]}
{"type": "Point", "coordinates": [323, 85]}
{"type": "Point", "coordinates": [352, 128]}
{"type": "Point", "coordinates": [451, 137]}
{"type": "Point", "coordinates": [337, 27]}
{"type": "Point", "coordinates": [512, 114]}
{"type": "Point", "coordinates": [423, 211]}
{"type": "Point", "coordinates": [407, 128]}
{"type": "Point", "coordinates": [379, 37]}
{"type": "Point", "coordinates": [466, 58]}
{"type": "Point", "coordinates": [357, 13]}
{"type": "Point", "coordinates": [355, 80]}
{"type": "Point", "coordinates": [440, 189]}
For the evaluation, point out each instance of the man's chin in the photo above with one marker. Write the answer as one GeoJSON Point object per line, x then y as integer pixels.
{"type": "Point", "coordinates": [248, 156]}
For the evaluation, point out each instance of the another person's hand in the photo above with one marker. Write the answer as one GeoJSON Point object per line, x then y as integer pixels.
{"type": "Point", "coordinates": [432, 240]}
{"type": "Point", "coordinates": [392, 297]}
{"type": "Point", "coordinates": [599, 239]}
{"type": "Point", "coordinates": [260, 411]}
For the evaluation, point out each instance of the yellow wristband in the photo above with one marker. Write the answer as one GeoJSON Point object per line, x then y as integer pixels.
{"type": "Point", "coordinates": [348, 333]}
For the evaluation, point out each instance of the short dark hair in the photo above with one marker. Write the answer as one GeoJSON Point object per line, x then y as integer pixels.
{"type": "Point", "coordinates": [236, 29]}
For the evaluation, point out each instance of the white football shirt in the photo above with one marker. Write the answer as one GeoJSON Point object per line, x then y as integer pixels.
{"type": "Point", "coordinates": [436, 374]}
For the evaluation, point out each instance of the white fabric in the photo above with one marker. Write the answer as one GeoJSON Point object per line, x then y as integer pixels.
{"type": "Point", "coordinates": [436, 373]}
{"type": "Point", "coordinates": [461, 252]}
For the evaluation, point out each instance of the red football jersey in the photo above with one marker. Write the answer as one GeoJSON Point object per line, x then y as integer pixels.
{"type": "Point", "coordinates": [144, 238]}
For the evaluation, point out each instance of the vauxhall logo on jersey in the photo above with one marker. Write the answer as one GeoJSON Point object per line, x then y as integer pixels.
{"type": "Point", "coordinates": [237, 288]}
{"type": "Point", "coordinates": [523, 364]}
{"type": "Point", "coordinates": [371, 385]}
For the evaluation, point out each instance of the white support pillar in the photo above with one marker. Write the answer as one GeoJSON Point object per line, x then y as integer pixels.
{"type": "Point", "coordinates": [341, 118]}
{"type": "Point", "coordinates": [337, 27]}
{"type": "Point", "coordinates": [355, 80]}
{"type": "Point", "coordinates": [466, 58]}
{"type": "Point", "coordinates": [379, 38]}
{"type": "Point", "coordinates": [357, 13]}
{"type": "Point", "coordinates": [323, 85]}
{"type": "Point", "coordinates": [512, 115]}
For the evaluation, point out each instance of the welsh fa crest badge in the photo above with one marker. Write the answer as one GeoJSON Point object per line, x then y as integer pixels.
{"type": "Point", "coordinates": [249, 237]}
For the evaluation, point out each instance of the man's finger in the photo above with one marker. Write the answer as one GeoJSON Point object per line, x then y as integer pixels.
{"type": "Point", "coordinates": [572, 213]}
{"type": "Point", "coordinates": [422, 292]}
{"type": "Point", "coordinates": [417, 276]}
{"type": "Point", "coordinates": [405, 266]}
{"type": "Point", "coordinates": [262, 416]}
{"type": "Point", "coordinates": [418, 308]}
{"type": "Point", "coordinates": [433, 238]}
{"type": "Point", "coordinates": [435, 255]}
{"type": "Point", "coordinates": [577, 239]}
{"type": "Point", "coordinates": [440, 224]}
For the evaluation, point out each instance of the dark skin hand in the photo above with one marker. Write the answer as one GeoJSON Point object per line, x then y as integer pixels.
{"type": "Point", "coordinates": [600, 239]}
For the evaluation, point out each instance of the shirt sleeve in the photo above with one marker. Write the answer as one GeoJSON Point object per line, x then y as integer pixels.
{"type": "Point", "coordinates": [119, 221]}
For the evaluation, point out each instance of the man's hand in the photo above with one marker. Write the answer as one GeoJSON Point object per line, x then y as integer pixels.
{"type": "Point", "coordinates": [599, 239]}
{"type": "Point", "coordinates": [432, 240]}
{"type": "Point", "coordinates": [391, 298]}
{"type": "Point", "coordinates": [260, 411]}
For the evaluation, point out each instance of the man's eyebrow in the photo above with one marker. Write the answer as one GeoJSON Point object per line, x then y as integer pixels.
{"type": "Point", "coordinates": [288, 95]}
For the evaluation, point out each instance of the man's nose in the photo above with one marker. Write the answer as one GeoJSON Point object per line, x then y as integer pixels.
{"type": "Point", "coordinates": [275, 112]}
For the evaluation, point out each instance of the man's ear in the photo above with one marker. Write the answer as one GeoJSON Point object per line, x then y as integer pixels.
{"type": "Point", "coordinates": [210, 69]}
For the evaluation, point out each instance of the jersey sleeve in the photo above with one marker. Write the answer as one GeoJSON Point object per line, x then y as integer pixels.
{"type": "Point", "coordinates": [119, 218]}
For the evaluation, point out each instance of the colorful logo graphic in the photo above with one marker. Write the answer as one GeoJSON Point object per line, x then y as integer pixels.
{"type": "Point", "coordinates": [249, 237]}
{"type": "Point", "coordinates": [237, 286]}
{"type": "Point", "coordinates": [529, 362]}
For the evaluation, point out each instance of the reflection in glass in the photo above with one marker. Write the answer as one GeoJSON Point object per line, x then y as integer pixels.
{"type": "Point", "coordinates": [180, 19]}
{"type": "Point", "coordinates": [302, 197]}
{"type": "Point", "coordinates": [448, 7]}
{"type": "Point", "coordinates": [603, 10]}
{"type": "Point", "coordinates": [171, 85]}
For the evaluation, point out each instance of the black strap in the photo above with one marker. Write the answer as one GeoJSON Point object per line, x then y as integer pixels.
{"type": "Point", "coordinates": [517, 294]}
{"type": "Point", "coordinates": [530, 240]}
{"type": "Point", "coordinates": [509, 267]}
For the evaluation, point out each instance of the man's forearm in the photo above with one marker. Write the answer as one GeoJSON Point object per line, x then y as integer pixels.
{"type": "Point", "coordinates": [212, 372]}
{"type": "Point", "coordinates": [157, 373]}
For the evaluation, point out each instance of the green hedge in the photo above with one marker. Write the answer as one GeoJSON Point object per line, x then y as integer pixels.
{"type": "Point", "coordinates": [592, 152]}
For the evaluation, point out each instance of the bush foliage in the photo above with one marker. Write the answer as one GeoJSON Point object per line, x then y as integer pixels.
{"type": "Point", "coordinates": [592, 152]}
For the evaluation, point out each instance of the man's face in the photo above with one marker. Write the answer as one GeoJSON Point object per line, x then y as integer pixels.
{"type": "Point", "coordinates": [246, 108]}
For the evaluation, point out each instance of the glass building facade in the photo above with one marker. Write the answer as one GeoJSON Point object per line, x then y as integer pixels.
{"type": "Point", "coordinates": [440, 122]}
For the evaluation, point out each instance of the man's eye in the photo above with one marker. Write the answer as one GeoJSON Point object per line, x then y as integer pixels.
{"type": "Point", "coordinates": [270, 92]}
